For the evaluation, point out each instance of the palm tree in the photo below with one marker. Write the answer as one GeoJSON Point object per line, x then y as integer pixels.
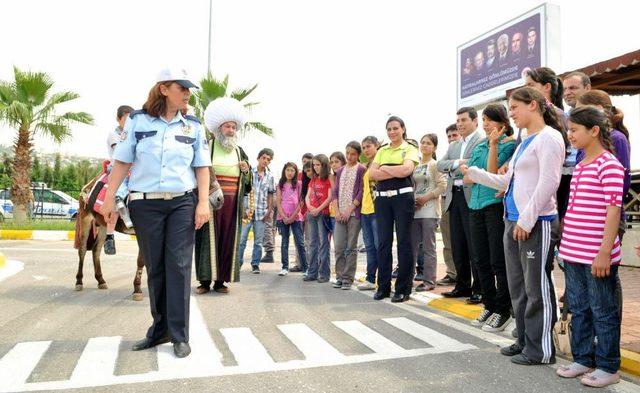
{"type": "Point", "coordinates": [212, 88]}
{"type": "Point", "coordinates": [27, 104]}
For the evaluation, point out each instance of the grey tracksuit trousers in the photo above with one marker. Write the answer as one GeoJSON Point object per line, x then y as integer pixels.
{"type": "Point", "coordinates": [529, 266]}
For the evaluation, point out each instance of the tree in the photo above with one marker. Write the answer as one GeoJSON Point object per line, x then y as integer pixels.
{"type": "Point", "coordinates": [56, 175]}
{"type": "Point", "coordinates": [28, 105]}
{"type": "Point", "coordinates": [212, 88]}
{"type": "Point", "coordinates": [47, 175]}
{"type": "Point", "coordinates": [36, 171]}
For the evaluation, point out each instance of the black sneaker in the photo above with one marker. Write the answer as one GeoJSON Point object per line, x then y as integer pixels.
{"type": "Point", "coordinates": [255, 269]}
{"type": "Point", "coordinates": [337, 284]}
{"type": "Point", "coordinates": [511, 350]}
{"type": "Point", "coordinates": [482, 318]}
{"type": "Point", "coordinates": [110, 245]}
{"type": "Point", "coordinates": [522, 360]}
{"type": "Point", "coordinates": [267, 258]}
{"type": "Point", "coordinates": [447, 280]}
{"type": "Point", "coordinates": [295, 269]}
{"type": "Point", "coordinates": [497, 323]}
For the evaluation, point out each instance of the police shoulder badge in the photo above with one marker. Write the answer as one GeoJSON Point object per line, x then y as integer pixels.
{"type": "Point", "coordinates": [123, 136]}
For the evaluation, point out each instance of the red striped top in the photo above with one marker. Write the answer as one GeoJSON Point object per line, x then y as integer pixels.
{"type": "Point", "coordinates": [594, 187]}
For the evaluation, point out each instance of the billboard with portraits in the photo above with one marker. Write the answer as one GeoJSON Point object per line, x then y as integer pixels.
{"type": "Point", "coordinates": [495, 62]}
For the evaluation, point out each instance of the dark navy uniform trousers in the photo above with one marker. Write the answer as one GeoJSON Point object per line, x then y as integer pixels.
{"type": "Point", "coordinates": [165, 230]}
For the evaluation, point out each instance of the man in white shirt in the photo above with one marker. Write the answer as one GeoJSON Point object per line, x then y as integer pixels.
{"type": "Point", "coordinates": [457, 199]}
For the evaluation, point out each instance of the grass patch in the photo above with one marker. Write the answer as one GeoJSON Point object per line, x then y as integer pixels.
{"type": "Point", "coordinates": [39, 225]}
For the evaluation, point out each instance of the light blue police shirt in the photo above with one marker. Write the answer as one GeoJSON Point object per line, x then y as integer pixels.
{"type": "Point", "coordinates": [163, 154]}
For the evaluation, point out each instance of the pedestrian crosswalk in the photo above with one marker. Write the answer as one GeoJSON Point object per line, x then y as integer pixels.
{"type": "Point", "coordinates": [97, 362]}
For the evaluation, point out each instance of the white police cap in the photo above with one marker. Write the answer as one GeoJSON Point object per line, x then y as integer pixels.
{"type": "Point", "coordinates": [178, 75]}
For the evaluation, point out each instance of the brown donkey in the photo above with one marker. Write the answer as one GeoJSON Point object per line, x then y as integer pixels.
{"type": "Point", "coordinates": [91, 232]}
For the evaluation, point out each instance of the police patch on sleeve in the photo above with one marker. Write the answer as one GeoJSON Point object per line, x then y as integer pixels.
{"type": "Point", "coordinates": [123, 135]}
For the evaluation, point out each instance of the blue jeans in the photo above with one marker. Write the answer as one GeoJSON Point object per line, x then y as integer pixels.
{"type": "Point", "coordinates": [370, 238]}
{"type": "Point", "coordinates": [258, 236]}
{"type": "Point", "coordinates": [595, 312]}
{"type": "Point", "coordinates": [296, 228]}
{"type": "Point", "coordinates": [318, 248]}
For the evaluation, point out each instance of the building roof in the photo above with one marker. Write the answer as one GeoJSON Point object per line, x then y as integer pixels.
{"type": "Point", "coordinates": [617, 76]}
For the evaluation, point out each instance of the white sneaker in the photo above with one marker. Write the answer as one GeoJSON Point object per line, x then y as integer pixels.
{"type": "Point", "coordinates": [366, 286]}
{"type": "Point", "coordinates": [283, 272]}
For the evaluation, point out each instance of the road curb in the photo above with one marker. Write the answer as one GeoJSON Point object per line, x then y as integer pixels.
{"type": "Point", "coordinates": [11, 234]}
{"type": "Point", "coordinates": [630, 361]}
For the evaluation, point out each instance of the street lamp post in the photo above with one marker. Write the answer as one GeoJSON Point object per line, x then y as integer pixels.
{"type": "Point", "coordinates": [209, 46]}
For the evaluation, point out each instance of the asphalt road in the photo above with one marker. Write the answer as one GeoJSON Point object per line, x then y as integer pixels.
{"type": "Point", "coordinates": [270, 333]}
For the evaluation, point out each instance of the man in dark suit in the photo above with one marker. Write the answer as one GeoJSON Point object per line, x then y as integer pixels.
{"type": "Point", "coordinates": [456, 203]}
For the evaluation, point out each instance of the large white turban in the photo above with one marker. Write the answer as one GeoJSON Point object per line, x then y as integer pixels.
{"type": "Point", "coordinates": [222, 110]}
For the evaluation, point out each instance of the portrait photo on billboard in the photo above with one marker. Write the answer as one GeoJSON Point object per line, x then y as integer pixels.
{"type": "Point", "coordinates": [494, 61]}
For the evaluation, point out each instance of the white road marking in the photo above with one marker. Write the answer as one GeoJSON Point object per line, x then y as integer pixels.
{"type": "Point", "coordinates": [312, 346]}
{"type": "Point", "coordinates": [67, 249]}
{"type": "Point", "coordinates": [18, 364]}
{"type": "Point", "coordinates": [369, 337]}
{"type": "Point", "coordinates": [246, 349]}
{"type": "Point", "coordinates": [11, 268]}
{"type": "Point", "coordinates": [205, 358]}
{"type": "Point", "coordinates": [98, 360]}
{"type": "Point", "coordinates": [430, 336]}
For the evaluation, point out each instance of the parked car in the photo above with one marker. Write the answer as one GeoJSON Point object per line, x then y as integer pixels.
{"type": "Point", "coordinates": [46, 203]}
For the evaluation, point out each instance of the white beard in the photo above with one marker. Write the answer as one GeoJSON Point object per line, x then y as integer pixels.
{"type": "Point", "coordinates": [228, 143]}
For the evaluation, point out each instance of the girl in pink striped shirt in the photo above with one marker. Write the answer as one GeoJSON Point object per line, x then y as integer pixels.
{"type": "Point", "coordinates": [590, 248]}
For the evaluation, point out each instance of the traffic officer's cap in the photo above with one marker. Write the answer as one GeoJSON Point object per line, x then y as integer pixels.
{"type": "Point", "coordinates": [178, 75]}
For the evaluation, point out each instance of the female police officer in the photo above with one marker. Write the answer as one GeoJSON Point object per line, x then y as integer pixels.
{"type": "Point", "coordinates": [393, 170]}
{"type": "Point", "coordinates": [167, 152]}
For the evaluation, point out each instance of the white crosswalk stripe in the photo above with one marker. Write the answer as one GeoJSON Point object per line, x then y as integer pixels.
{"type": "Point", "coordinates": [98, 360]}
{"type": "Point", "coordinates": [246, 349]}
{"type": "Point", "coordinates": [367, 336]}
{"type": "Point", "coordinates": [96, 364]}
{"type": "Point", "coordinates": [18, 364]}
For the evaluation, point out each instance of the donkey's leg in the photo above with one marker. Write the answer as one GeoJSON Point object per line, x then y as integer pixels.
{"type": "Point", "coordinates": [137, 281]}
{"type": "Point", "coordinates": [97, 248]}
{"type": "Point", "coordinates": [82, 250]}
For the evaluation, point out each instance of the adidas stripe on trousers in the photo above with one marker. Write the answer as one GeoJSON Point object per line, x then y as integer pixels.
{"type": "Point", "coordinates": [533, 297]}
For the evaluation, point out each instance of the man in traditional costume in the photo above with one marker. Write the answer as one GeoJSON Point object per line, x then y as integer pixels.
{"type": "Point", "coordinates": [216, 245]}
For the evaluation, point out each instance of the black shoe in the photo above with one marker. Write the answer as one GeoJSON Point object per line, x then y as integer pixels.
{"type": "Point", "coordinates": [400, 298]}
{"type": "Point", "coordinates": [446, 280]}
{"type": "Point", "coordinates": [419, 277]}
{"type": "Point", "coordinates": [307, 279]}
{"type": "Point", "coordinates": [525, 361]}
{"type": "Point", "coordinates": [322, 280]}
{"type": "Point", "coordinates": [425, 287]}
{"type": "Point", "coordinates": [182, 350]}
{"type": "Point", "coordinates": [110, 245]}
{"type": "Point", "coordinates": [511, 350]}
{"type": "Point", "coordinates": [267, 258]}
{"type": "Point", "coordinates": [147, 343]}
{"type": "Point", "coordinates": [380, 295]}
{"type": "Point", "coordinates": [394, 273]}
{"type": "Point", "coordinates": [295, 269]}
{"type": "Point", "coordinates": [338, 284]}
{"type": "Point", "coordinates": [255, 269]}
{"type": "Point", "coordinates": [457, 293]}
{"type": "Point", "coordinates": [474, 299]}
